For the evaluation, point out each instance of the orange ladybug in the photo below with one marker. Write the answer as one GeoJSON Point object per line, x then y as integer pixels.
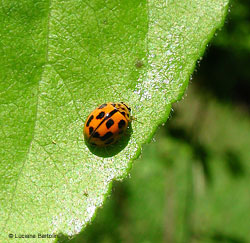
{"type": "Point", "coordinates": [107, 123]}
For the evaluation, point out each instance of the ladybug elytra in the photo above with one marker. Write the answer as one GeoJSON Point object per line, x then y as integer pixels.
{"type": "Point", "coordinates": [107, 124]}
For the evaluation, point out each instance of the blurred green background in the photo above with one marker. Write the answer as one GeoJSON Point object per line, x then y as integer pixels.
{"type": "Point", "coordinates": [192, 181]}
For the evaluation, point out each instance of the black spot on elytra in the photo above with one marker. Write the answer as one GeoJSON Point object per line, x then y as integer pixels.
{"type": "Point", "coordinates": [109, 123]}
{"type": "Point", "coordinates": [106, 136]}
{"type": "Point", "coordinates": [89, 120]}
{"type": "Point", "coordinates": [96, 135]}
{"type": "Point", "coordinates": [113, 104]}
{"type": "Point", "coordinates": [123, 108]}
{"type": "Point", "coordinates": [102, 106]}
{"type": "Point", "coordinates": [121, 124]}
{"type": "Point", "coordinates": [100, 115]}
{"type": "Point", "coordinates": [123, 113]}
{"type": "Point", "coordinates": [112, 112]}
{"type": "Point", "coordinates": [91, 129]}
{"type": "Point", "coordinates": [110, 141]}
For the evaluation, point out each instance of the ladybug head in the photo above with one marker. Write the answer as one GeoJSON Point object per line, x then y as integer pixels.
{"type": "Point", "coordinates": [126, 106]}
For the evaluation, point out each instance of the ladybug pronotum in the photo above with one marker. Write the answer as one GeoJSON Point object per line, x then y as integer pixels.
{"type": "Point", "coordinates": [107, 123]}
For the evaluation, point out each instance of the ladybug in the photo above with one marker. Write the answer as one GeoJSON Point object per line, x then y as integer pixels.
{"type": "Point", "coordinates": [107, 123]}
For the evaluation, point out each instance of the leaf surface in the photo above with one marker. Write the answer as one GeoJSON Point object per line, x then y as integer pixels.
{"type": "Point", "coordinates": [59, 60]}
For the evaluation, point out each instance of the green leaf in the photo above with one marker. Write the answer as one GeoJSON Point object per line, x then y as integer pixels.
{"type": "Point", "coordinates": [59, 60]}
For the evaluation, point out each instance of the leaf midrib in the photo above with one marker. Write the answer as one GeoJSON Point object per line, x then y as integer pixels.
{"type": "Point", "coordinates": [35, 113]}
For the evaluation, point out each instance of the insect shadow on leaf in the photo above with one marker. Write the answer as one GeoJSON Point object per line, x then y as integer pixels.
{"type": "Point", "coordinates": [112, 149]}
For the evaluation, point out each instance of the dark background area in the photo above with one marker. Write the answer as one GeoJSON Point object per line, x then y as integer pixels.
{"type": "Point", "coordinates": [191, 183]}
